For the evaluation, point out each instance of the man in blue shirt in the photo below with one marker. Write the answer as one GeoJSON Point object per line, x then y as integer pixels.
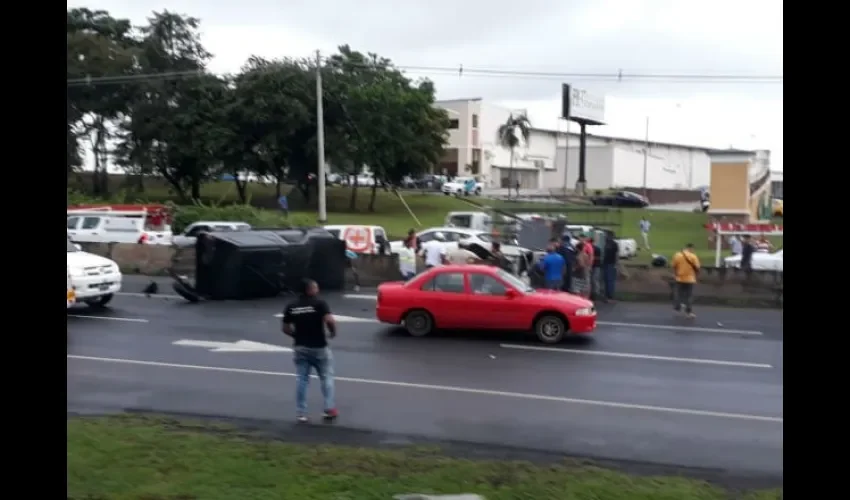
{"type": "Point", "coordinates": [552, 265]}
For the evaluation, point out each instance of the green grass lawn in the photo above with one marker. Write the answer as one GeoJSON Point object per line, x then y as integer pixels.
{"type": "Point", "coordinates": [156, 458]}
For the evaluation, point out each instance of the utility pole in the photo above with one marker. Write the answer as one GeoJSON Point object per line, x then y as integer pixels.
{"type": "Point", "coordinates": [645, 157]}
{"type": "Point", "coordinates": [566, 156]}
{"type": "Point", "coordinates": [320, 142]}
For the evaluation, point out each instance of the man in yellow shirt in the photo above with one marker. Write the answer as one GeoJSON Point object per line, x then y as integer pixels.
{"type": "Point", "coordinates": [686, 268]}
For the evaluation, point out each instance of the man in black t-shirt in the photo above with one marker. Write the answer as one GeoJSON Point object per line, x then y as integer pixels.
{"type": "Point", "coordinates": [305, 320]}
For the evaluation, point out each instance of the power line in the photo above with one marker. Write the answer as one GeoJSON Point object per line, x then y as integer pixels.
{"type": "Point", "coordinates": [462, 71]}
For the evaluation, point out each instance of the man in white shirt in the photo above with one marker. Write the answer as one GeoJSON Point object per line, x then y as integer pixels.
{"type": "Point", "coordinates": [407, 260]}
{"type": "Point", "coordinates": [434, 251]}
{"type": "Point", "coordinates": [461, 255]}
{"type": "Point", "coordinates": [644, 231]}
{"type": "Point", "coordinates": [736, 245]}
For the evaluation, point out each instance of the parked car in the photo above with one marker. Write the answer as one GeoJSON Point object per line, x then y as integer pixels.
{"type": "Point", "coordinates": [94, 279]}
{"type": "Point", "coordinates": [447, 297]}
{"type": "Point", "coordinates": [462, 186]}
{"type": "Point", "coordinates": [453, 235]}
{"type": "Point", "coordinates": [621, 199]}
{"type": "Point", "coordinates": [190, 234]}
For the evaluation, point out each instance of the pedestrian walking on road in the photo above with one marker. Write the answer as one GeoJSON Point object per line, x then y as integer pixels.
{"type": "Point", "coordinates": [305, 320]}
{"type": "Point", "coordinates": [434, 251]}
{"type": "Point", "coordinates": [350, 260]}
{"type": "Point", "coordinates": [407, 259]}
{"type": "Point", "coordinates": [686, 268]}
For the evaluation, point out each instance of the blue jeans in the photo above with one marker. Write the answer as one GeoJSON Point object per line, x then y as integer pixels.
{"type": "Point", "coordinates": [609, 274]}
{"type": "Point", "coordinates": [553, 284]}
{"type": "Point", "coordinates": [306, 359]}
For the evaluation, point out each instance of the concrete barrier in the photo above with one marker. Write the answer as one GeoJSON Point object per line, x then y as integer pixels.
{"type": "Point", "coordinates": [719, 286]}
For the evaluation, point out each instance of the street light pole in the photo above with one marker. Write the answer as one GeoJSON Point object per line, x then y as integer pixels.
{"type": "Point", "coordinates": [645, 157]}
{"type": "Point", "coordinates": [320, 142]}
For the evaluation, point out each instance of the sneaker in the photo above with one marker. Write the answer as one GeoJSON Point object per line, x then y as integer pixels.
{"type": "Point", "coordinates": [302, 419]}
{"type": "Point", "coordinates": [331, 413]}
{"type": "Point", "coordinates": [692, 315]}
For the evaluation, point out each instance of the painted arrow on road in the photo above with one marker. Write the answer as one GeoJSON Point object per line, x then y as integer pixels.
{"type": "Point", "coordinates": [343, 319]}
{"type": "Point", "coordinates": [238, 346]}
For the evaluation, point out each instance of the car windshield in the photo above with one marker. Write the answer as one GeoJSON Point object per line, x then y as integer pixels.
{"type": "Point", "coordinates": [71, 247]}
{"type": "Point", "coordinates": [514, 281]}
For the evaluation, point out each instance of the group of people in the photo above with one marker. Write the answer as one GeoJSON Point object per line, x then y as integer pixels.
{"type": "Point", "coordinates": [583, 268]}
{"type": "Point", "coordinates": [436, 252]}
{"type": "Point", "coordinates": [746, 246]}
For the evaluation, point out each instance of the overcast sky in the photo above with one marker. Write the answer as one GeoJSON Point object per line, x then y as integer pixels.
{"type": "Point", "coordinates": [722, 37]}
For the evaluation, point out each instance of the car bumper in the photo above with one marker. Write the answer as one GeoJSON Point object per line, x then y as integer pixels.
{"type": "Point", "coordinates": [91, 287]}
{"type": "Point", "coordinates": [582, 325]}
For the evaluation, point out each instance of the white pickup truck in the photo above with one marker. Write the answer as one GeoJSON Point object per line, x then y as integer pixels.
{"type": "Point", "coordinates": [94, 279]}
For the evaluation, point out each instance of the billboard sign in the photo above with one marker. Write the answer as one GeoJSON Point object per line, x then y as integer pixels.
{"type": "Point", "coordinates": [582, 106]}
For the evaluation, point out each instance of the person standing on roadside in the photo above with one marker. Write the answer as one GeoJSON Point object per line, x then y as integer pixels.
{"type": "Point", "coordinates": [407, 259]}
{"type": "Point", "coordinates": [596, 272]}
{"type": "Point", "coordinates": [434, 251]}
{"type": "Point", "coordinates": [350, 259]}
{"type": "Point", "coordinates": [552, 265]}
{"type": "Point", "coordinates": [610, 258]}
{"type": "Point", "coordinates": [581, 271]}
{"type": "Point", "coordinates": [747, 250]}
{"type": "Point", "coordinates": [305, 320]}
{"type": "Point", "coordinates": [644, 231]}
{"type": "Point", "coordinates": [686, 268]}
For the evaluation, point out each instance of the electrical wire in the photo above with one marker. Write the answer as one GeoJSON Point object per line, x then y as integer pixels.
{"type": "Point", "coordinates": [462, 71]}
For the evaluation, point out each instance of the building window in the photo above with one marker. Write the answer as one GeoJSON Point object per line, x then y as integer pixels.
{"type": "Point", "coordinates": [474, 121]}
{"type": "Point", "coordinates": [454, 124]}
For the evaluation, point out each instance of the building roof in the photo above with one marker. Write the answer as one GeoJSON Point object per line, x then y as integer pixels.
{"type": "Point", "coordinates": [651, 143]}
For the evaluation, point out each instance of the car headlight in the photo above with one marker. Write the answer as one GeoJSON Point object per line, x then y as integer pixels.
{"type": "Point", "coordinates": [587, 311]}
{"type": "Point", "coordinates": [76, 272]}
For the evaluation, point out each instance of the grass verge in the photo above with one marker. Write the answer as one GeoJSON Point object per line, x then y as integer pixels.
{"type": "Point", "coordinates": [156, 458]}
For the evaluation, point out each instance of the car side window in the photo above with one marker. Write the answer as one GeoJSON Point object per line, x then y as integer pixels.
{"type": "Point", "coordinates": [72, 222]}
{"type": "Point", "coordinates": [445, 282]}
{"type": "Point", "coordinates": [482, 284]}
{"type": "Point", "coordinates": [426, 237]}
{"type": "Point", "coordinates": [90, 222]}
{"type": "Point", "coordinates": [451, 236]}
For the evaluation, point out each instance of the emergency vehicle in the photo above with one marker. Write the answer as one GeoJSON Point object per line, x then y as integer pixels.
{"type": "Point", "coordinates": [103, 223]}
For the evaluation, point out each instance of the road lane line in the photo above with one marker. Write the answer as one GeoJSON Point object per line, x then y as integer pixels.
{"type": "Point", "coordinates": [344, 319]}
{"type": "Point", "coordinates": [680, 328]}
{"type": "Point", "coordinates": [651, 357]}
{"type": "Point", "coordinates": [110, 318]}
{"type": "Point", "coordinates": [151, 296]}
{"type": "Point", "coordinates": [444, 388]}
{"type": "Point", "coordinates": [627, 325]}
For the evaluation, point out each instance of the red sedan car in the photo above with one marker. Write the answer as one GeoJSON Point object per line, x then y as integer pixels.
{"type": "Point", "coordinates": [471, 297]}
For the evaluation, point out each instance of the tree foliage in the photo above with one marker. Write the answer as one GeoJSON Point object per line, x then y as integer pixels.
{"type": "Point", "coordinates": [510, 135]}
{"type": "Point", "coordinates": [142, 98]}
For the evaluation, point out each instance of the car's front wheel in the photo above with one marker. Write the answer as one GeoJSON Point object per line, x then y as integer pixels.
{"type": "Point", "coordinates": [418, 323]}
{"type": "Point", "coordinates": [550, 329]}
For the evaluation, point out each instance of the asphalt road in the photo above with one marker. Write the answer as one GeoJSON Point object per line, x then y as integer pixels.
{"type": "Point", "coordinates": [649, 388]}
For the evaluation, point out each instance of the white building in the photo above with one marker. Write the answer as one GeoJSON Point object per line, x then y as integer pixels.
{"type": "Point", "coordinates": [548, 161]}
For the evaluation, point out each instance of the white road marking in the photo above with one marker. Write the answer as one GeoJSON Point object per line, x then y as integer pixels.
{"type": "Point", "coordinates": [343, 319]}
{"type": "Point", "coordinates": [444, 388]}
{"type": "Point", "coordinates": [627, 325]}
{"type": "Point", "coordinates": [238, 346]}
{"type": "Point", "coordinates": [164, 296]}
{"type": "Point", "coordinates": [680, 328]}
{"type": "Point", "coordinates": [651, 357]}
{"type": "Point", "coordinates": [110, 318]}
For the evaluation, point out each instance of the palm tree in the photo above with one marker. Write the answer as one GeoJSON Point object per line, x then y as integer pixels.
{"type": "Point", "coordinates": [516, 128]}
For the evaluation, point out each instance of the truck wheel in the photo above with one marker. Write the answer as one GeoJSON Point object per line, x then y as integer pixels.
{"type": "Point", "coordinates": [418, 323]}
{"type": "Point", "coordinates": [101, 301]}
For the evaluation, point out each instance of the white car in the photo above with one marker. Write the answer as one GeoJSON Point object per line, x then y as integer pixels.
{"type": "Point", "coordinates": [454, 234]}
{"type": "Point", "coordinates": [458, 186]}
{"type": "Point", "coordinates": [95, 279]}
{"type": "Point", "coordinates": [762, 261]}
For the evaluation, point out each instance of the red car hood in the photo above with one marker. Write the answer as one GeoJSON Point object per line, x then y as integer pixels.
{"type": "Point", "coordinates": [562, 298]}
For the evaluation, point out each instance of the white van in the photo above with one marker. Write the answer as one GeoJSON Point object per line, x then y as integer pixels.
{"type": "Point", "coordinates": [119, 224]}
{"type": "Point", "coordinates": [94, 279]}
{"type": "Point", "coordinates": [362, 239]}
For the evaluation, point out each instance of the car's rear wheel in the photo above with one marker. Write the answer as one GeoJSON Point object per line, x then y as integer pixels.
{"type": "Point", "coordinates": [550, 329]}
{"type": "Point", "coordinates": [418, 323]}
{"type": "Point", "coordinates": [101, 301]}
{"type": "Point", "coordinates": [478, 191]}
